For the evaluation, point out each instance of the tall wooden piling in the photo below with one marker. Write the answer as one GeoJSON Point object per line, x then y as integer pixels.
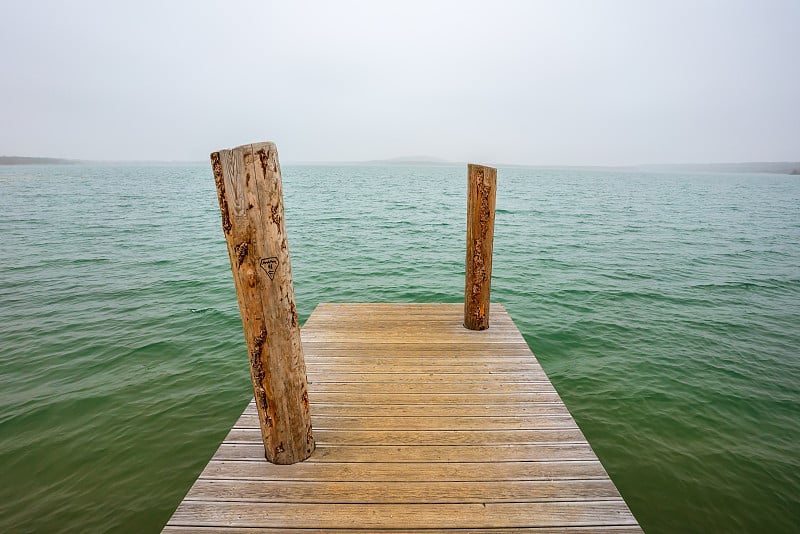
{"type": "Point", "coordinates": [482, 186]}
{"type": "Point", "coordinates": [250, 191]}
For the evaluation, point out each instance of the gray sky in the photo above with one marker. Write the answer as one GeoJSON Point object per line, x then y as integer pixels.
{"type": "Point", "coordinates": [606, 83]}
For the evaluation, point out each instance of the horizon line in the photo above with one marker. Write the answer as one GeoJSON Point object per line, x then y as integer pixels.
{"type": "Point", "coordinates": [395, 161]}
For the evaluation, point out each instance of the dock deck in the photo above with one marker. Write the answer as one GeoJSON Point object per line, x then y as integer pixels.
{"type": "Point", "coordinates": [420, 424]}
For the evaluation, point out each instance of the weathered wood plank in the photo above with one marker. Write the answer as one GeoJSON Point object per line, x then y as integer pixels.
{"type": "Point", "coordinates": [550, 452]}
{"type": "Point", "coordinates": [494, 393]}
{"type": "Point", "coordinates": [530, 422]}
{"type": "Point", "coordinates": [607, 529]}
{"type": "Point", "coordinates": [440, 349]}
{"type": "Point", "coordinates": [502, 329]}
{"type": "Point", "coordinates": [401, 366]}
{"type": "Point", "coordinates": [406, 472]}
{"type": "Point", "coordinates": [367, 309]}
{"type": "Point", "coordinates": [403, 492]}
{"type": "Point", "coordinates": [425, 437]}
{"type": "Point", "coordinates": [443, 317]}
{"type": "Point", "coordinates": [629, 529]}
{"type": "Point", "coordinates": [425, 378]}
{"type": "Point", "coordinates": [407, 515]}
{"type": "Point", "coordinates": [348, 340]}
{"type": "Point", "coordinates": [436, 398]}
{"type": "Point", "coordinates": [433, 410]}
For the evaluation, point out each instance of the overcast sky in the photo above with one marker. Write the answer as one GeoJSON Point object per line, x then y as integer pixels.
{"type": "Point", "coordinates": [555, 82]}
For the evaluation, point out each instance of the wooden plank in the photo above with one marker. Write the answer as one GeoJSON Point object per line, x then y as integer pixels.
{"type": "Point", "coordinates": [425, 310]}
{"type": "Point", "coordinates": [432, 410]}
{"type": "Point", "coordinates": [383, 348]}
{"type": "Point", "coordinates": [402, 492]}
{"type": "Point", "coordinates": [425, 378]}
{"type": "Point", "coordinates": [550, 452]}
{"type": "Point", "coordinates": [500, 331]}
{"type": "Point", "coordinates": [416, 393]}
{"type": "Point", "coordinates": [458, 366]}
{"type": "Point", "coordinates": [440, 349]}
{"type": "Point", "coordinates": [530, 422]}
{"type": "Point", "coordinates": [348, 339]}
{"type": "Point", "coordinates": [474, 397]}
{"type": "Point", "coordinates": [603, 529]}
{"type": "Point", "coordinates": [425, 437]}
{"type": "Point", "coordinates": [378, 322]}
{"type": "Point", "coordinates": [422, 318]}
{"type": "Point", "coordinates": [422, 315]}
{"type": "Point", "coordinates": [406, 515]}
{"type": "Point", "coordinates": [406, 472]}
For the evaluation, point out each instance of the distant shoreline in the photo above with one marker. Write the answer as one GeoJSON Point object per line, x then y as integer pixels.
{"type": "Point", "coordinates": [24, 160]}
{"type": "Point", "coordinates": [766, 167]}
{"type": "Point", "coordinates": [771, 167]}
{"type": "Point", "coordinates": [21, 160]}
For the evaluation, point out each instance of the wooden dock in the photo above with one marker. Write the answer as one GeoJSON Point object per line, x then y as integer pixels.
{"type": "Point", "coordinates": [421, 425]}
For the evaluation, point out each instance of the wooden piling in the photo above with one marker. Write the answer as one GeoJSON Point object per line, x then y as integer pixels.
{"type": "Point", "coordinates": [482, 185]}
{"type": "Point", "coordinates": [250, 191]}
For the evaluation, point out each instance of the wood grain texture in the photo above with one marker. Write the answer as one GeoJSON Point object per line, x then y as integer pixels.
{"type": "Point", "coordinates": [434, 410]}
{"type": "Point", "coordinates": [403, 515]}
{"type": "Point", "coordinates": [418, 427]}
{"type": "Point", "coordinates": [425, 437]}
{"type": "Point", "coordinates": [603, 529]}
{"type": "Point", "coordinates": [250, 192]}
{"type": "Point", "coordinates": [445, 423]}
{"type": "Point", "coordinates": [542, 452]}
{"type": "Point", "coordinates": [431, 389]}
{"type": "Point", "coordinates": [481, 193]}
{"type": "Point", "coordinates": [403, 492]}
{"type": "Point", "coordinates": [405, 472]}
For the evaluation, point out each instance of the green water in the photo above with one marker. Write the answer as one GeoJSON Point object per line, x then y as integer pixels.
{"type": "Point", "coordinates": [664, 307]}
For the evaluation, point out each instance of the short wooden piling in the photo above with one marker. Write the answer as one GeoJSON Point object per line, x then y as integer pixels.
{"type": "Point", "coordinates": [250, 191]}
{"type": "Point", "coordinates": [482, 186]}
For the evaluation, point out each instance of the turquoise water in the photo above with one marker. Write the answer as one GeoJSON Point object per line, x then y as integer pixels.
{"type": "Point", "coordinates": [664, 307]}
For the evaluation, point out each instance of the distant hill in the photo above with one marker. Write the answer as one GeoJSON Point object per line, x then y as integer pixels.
{"type": "Point", "coordinates": [773, 167]}
{"type": "Point", "coordinates": [410, 160]}
{"type": "Point", "coordinates": [20, 160]}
